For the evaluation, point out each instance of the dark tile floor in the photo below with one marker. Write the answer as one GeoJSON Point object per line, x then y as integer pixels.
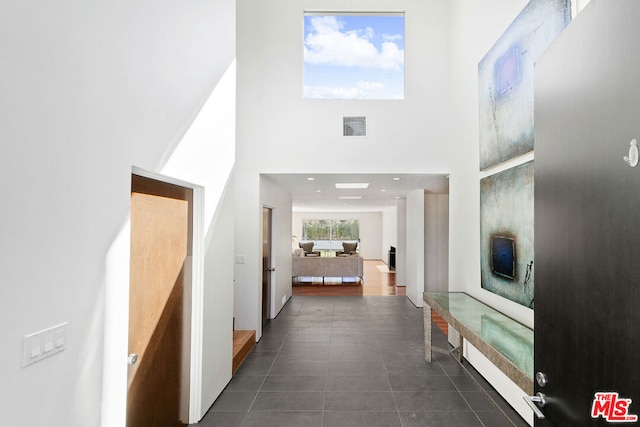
{"type": "Point", "coordinates": [353, 361]}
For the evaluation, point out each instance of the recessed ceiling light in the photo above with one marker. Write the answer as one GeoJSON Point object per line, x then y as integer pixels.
{"type": "Point", "coordinates": [349, 197]}
{"type": "Point", "coordinates": [318, 191]}
{"type": "Point", "coordinates": [351, 185]}
{"type": "Point", "coordinates": [396, 179]}
{"type": "Point", "coordinates": [383, 190]}
{"type": "Point", "coordinates": [311, 178]}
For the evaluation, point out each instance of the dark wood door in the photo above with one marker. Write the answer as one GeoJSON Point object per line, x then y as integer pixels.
{"type": "Point", "coordinates": [159, 305]}
{"type": "Point", "coordinates": [587, 219]}
{"type": "Point", "coordinates": [267, 269]}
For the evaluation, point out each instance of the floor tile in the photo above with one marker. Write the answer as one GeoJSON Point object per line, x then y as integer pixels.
{"type": "Point", "coordinates": [351, 330]}
{"type": "Point", "coordinates": [361, 419]}
{"type": "Point", "coordinates": [268, 346]}
{"type": "Point", "coordinates": [306, 346]}
{"type": "Point", "coordinates": [294, 383]}
{"type": "Point", "coordinates": [303, 355]}
{"type": "Point", "coordinates": [358, 383]}
{"type": "Point", "coordinates": [308, 338]}
{"type": "Point", "coordinates": [421, 383]}
{"type": "Point", "coordinates": [245, 383]}
{"type": "Point", "coordinates": [478, 401]}
{"type": "Point", "coordinates": [464, 383]}
{"type": "Point", "coordinates": [222, 419]}
{"type": "Point", "coordinates": [496, 419]}
{"type": "Point", "coordinates": [234, 401]}
{"type": "Point", "coordinates": [352, 338]}
{"type": "Point", "coordinates": [283, 419]}
{"type": "Point", "coordinates": [299, 368]}
{"type": "Point", "coordinates": [441, 419]}
{"type": "Point", "coordinates": [430, 401]}
{"type": "Point", "coordinates": [399, 367]}
{"type": "Point", "coordinates": [359, 401]}
{"type": "Point", "coordinates": [353, 368]}
{"type": "Point", "coordinates": [311, 330]}
{"type": "Point", "coordinates": [288, 401]}
{"type": "Point", "coordinates": [254, 368]}
{"type": "Point", "coordinates": [261, 357]}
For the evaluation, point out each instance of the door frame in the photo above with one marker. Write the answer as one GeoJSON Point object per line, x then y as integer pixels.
{"type": "Point", "coordinates": [197, 287]}
{"type": "Point", "coordinates": [273, 262]}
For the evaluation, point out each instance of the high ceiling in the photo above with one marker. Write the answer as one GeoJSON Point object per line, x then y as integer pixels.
{"type": "Point", "coordinates": [320, 193]}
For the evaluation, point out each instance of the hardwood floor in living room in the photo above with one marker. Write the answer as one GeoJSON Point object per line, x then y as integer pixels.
{"type": "Point", "coordinates": [378, 281]}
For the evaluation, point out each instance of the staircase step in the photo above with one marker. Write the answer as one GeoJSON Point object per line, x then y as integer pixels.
{"type": "Point", "coordinates": [243, 344]}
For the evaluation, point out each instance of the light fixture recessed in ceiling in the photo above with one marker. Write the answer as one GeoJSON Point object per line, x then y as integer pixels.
{"type": "Point", "coordinates": [349, 197]}
{"type": "Point", "coordinates": [352, 185]}
{"type": "Point", "coordinates": [310, 179]}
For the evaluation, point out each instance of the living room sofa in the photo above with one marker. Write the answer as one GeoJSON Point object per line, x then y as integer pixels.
{"type": "Point", "coordinates": [339, 266]}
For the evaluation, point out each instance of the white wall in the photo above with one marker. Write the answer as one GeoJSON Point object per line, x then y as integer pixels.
{"type": "Point", "coordinates": [401, 250]}
{"type": "Point", "coordinates": [217, 305]}
{"type": "Point", "coordinates": [415, 247]}
{"type": "Point", "coordinates": [201, 156]}
{"type": "Point", "coordinates": [389, 231]}
{"type": "Point", "coordinates": [87, 92]}
{"type": "Point", "coordinates": [370, 224]}
{"type": "Point", "coordinates": [475, 28]}
{"type": "Point", "coordinates": [436, 242]}
{"type": "Point", "coordinates": [279, 132]}
{"type": "Point", "coordinates": [279, 200]}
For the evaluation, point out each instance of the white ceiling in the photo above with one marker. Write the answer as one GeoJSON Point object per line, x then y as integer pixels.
{"type": "Point", "coordinates": [306, 196]}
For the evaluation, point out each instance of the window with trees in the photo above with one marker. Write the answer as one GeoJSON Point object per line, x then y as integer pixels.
{"type": "Point", "coordinates": [330, 229]}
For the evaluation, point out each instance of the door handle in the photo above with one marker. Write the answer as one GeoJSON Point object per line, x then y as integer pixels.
{"type": "Point", "coordinates": [271, 269]}
{"type": "Point", "coordinates": [535, 403]}
{"type": "Point", "coordinates": [132, 359]}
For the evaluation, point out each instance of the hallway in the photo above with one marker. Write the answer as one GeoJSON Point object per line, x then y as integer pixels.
{"type": "Point", "coordinates": [352, 361]}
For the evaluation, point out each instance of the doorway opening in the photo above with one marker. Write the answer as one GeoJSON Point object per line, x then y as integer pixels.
{"type": "Point", "coordinates": [267, 269]}
{"type": "Point", "coordinates": [160, 303]}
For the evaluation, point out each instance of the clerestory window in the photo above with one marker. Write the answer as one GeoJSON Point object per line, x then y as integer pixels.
{"type": "Point", "coordinates": [354, 55]}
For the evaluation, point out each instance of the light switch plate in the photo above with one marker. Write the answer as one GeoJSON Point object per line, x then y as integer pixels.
{"type": "Point", "coordinates": [42, 344]}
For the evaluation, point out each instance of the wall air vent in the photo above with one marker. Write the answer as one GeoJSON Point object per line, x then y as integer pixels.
{"type": "Point", "coordinates": [354, 126]}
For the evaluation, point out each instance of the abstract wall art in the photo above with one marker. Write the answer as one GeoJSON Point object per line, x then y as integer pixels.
{"type": "Point", "coordinates": [505, 80]}
{"type": "Point", "coordinates": [506, 234]}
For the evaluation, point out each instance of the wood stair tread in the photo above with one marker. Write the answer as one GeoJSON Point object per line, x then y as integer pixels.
{"type": "Point", "coordinates": [243, 344]}
{"type": "Point", "coordinates": [440, 322]}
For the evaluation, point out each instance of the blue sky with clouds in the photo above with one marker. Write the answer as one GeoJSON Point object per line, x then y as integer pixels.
{"type": "Point", "coordinates": [354, 57]}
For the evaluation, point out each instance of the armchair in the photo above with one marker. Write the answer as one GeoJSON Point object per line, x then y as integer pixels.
{"type": "Point", "coordinates": [308, 249]}
{"type": "Point", "coordinates": [348, 249]}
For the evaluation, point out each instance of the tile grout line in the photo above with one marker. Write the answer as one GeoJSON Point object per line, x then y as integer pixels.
{"type": "Point", "coordinates": [483, 391]}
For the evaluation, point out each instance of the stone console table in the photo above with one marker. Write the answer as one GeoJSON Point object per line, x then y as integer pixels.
{"type": "Point", "coordinates": [506, 343]}
{"type": "Point", "coordinates": [339, 266]}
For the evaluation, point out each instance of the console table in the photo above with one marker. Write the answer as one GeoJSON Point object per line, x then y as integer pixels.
{"type": "Point", "coordinates": [507, 343]}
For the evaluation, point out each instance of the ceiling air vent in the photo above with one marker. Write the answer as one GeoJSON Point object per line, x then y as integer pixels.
{"type": "Point", "coordinates": [354, 126]}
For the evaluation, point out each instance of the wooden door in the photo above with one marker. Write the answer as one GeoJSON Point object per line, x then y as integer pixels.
{"type": "Point", "coordinates": [267, 269]}
{"type": "Point", "coordinates": [159, 313]}
{"type": "Point", "coordinates": [587, 220]}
